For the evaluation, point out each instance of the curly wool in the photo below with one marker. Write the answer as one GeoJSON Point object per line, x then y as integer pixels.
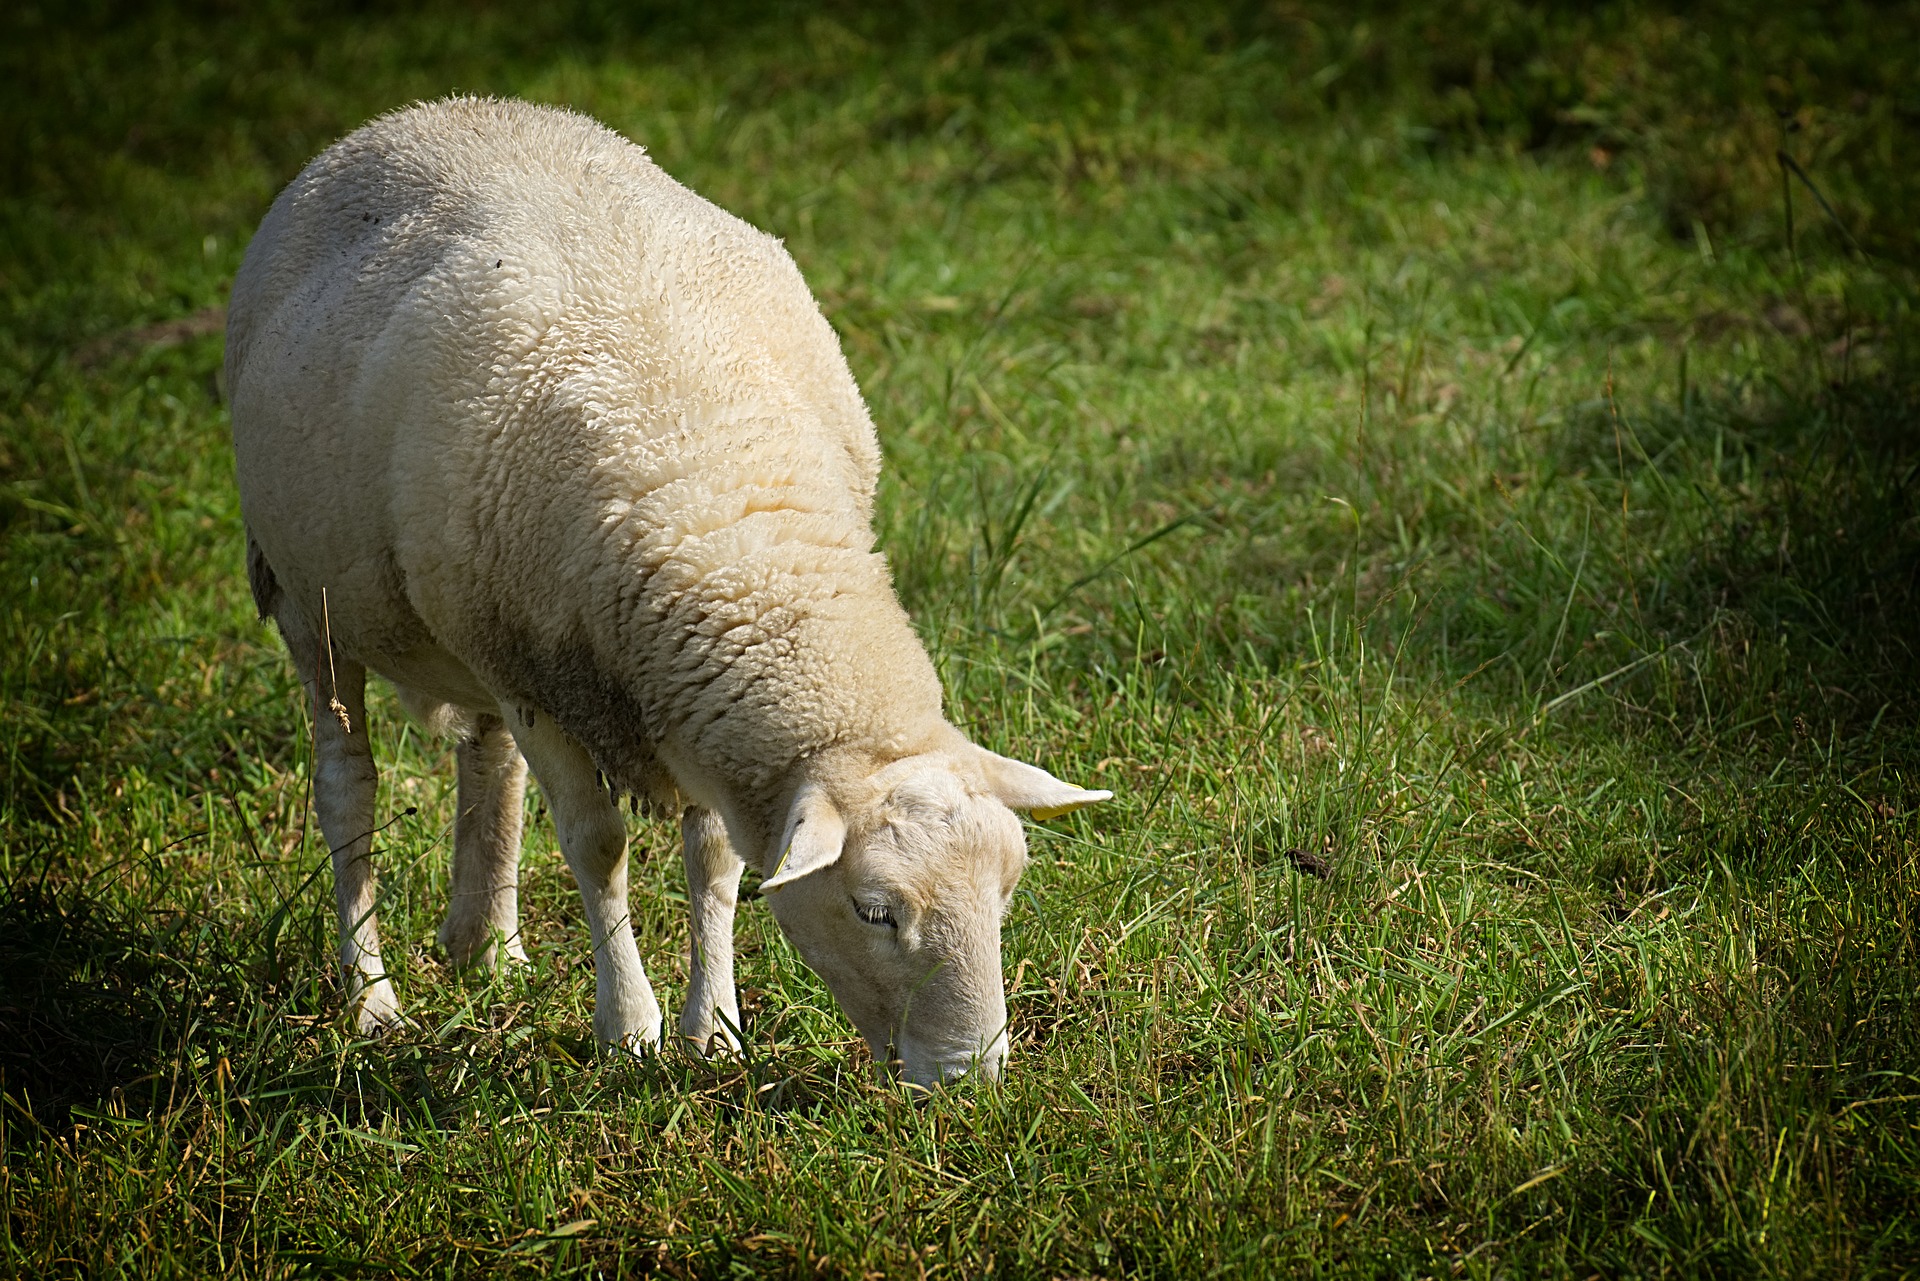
{"type": "Point", "coordinates": [551, 430]}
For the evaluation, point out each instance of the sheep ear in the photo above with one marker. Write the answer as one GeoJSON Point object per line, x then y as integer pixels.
{"type": "Point", "coordinates": [814, 838]}
{"type": "Point", "coordinates": [1021, 786]}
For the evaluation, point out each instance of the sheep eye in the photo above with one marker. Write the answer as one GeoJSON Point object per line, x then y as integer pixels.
{"type": "Point", "coordinates": [874, 913]}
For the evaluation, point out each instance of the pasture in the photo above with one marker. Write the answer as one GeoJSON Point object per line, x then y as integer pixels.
{"type": "Point", "coordinates": [1450, 470]}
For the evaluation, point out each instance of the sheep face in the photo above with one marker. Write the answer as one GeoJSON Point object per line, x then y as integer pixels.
{"type": "Point", "coordinates": [902, 919]}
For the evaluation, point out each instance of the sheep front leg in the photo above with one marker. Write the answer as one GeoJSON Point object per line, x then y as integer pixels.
{"type": "Point", "coordinates": [711, 1017]}
{"type": "Point", "coordinates": [344, 780]}
{"type": "Point", "coordinates": [594, 842]}
{"type": "Point", "coordinates": [483, 908]}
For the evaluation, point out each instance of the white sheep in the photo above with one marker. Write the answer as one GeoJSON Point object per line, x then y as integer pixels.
{"type": "Point", "coordinates": [570, 456]}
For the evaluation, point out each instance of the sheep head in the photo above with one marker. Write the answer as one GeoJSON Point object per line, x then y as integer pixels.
{"type": "Point", "coordinates": [892, 890]}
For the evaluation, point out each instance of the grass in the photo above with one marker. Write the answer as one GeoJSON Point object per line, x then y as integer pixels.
{"type": "Point", "coordinates": [1406, 438]}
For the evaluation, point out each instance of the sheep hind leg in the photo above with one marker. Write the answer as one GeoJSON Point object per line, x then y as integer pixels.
{"type": "Point", "coordinates": [710, 1019]}
{"type": "Point", "coordinates": [483, 906]}
{"type": "Point", "coordinates": [344, 782]}
{"type": "Point", "coordinates": [593, 840]}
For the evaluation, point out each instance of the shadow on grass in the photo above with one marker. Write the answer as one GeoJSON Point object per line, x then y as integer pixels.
{"type": "Point", "coordinates": [1820, 541]}
{"type": "Point", "coordinates": [99, 1014]}
{"type": "Point", "coordinates": [1819, 499]}
{"type": "Point", "coordinates": [1743, 572]}
{"type": "Point", "coordinates": [81, 1002]}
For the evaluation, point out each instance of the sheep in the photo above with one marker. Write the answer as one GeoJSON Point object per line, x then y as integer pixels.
{"type": "Point", "coordinates": [570, 457]}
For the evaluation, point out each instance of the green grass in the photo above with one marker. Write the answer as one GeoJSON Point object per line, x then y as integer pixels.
{"type": "Point", "coordinates": [1406, 436]}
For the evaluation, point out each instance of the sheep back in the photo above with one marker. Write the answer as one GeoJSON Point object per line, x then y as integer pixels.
{"type": "Point", "coordinates": [548, 427]}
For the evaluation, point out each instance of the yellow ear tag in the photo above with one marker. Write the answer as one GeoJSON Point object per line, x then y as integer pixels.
{"type": "Point", "coordinates": [1042, 816]}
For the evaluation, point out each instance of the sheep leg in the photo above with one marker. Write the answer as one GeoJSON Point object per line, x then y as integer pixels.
{"type": "Point", "coordinates": [483, 908]}
{"type": "Point", "coordinates": [710, 1019]}
{"type": "Point", "coordinates": [594, 841]}
{"type": "Point", "coordinates": [344, 780]}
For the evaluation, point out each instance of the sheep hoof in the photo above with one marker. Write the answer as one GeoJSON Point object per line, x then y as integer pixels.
{"type": "Point", "coordinates": [376, 1010]}
{"type": "Point", "coordinates": [480, 944]}
{"type": "Point", "coordinates": [639, 1045]}
{"type": "Point", "coordinates": [641, 1041]}
{"type": "Point", "coordinates": [716, 1043]}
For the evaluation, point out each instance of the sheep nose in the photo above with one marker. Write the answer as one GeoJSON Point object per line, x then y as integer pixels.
{"type": "Point", "coordinates": [993, 1058]}
{"type": "Point", "coordinates": [985, 1067]}
{"type": "Point", "coordinates": [985, 1062]}
{"type": "Point", "coordinates": [949, 1072]}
